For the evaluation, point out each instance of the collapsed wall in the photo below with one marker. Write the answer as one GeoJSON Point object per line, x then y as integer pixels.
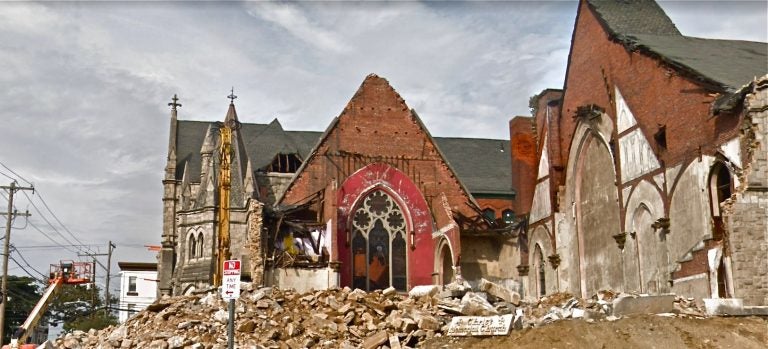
{"type": "Point", "coordinates": [748, 208]}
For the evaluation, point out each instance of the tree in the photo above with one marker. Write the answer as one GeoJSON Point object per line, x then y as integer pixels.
{"type": "Point", "coordinates": [23, 294]}
{"type": "Point", "coordinates": [80, 308]}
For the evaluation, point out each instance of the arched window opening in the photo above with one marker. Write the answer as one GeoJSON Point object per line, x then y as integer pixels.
{"type": "Point", "coordinates": [200, 246]}
{"type": "Point", "coordinates": [378, 244]}
{"type": "Point", "coordinates": [541, 280]}
{"type": "Point", "coordinates": [720, 188]}
{"type": "Point", "coordinates": [192, 247]}
{"type": "Point", "coordinates": [490, 214]}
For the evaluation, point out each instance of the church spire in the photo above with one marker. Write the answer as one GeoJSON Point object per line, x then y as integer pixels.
{"type": "Point", "coordinates": [170, 168]}
{"type": "Point", "coordinates": [231, 120]}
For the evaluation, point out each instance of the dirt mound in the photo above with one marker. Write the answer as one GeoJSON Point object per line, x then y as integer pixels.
{"type": "Point", "coordinates": [641, 331]}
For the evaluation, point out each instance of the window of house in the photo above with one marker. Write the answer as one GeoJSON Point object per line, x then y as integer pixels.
{"type": "Point", "coordinates": [508, 216]}
{"type": "Point", "coordinates": [132, 286]}
{"type": "Point", "coordinates": [378, 244]}
{"type": "Point", "coordinates": [490, 214]}
{"type": "Point", "coordinates": [539, 269]}
{"type": "Point", "coordinates": [131, 309]}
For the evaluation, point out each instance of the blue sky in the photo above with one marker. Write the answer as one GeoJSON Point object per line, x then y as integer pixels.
{"type": "Point", "coordinates": [85, 85]}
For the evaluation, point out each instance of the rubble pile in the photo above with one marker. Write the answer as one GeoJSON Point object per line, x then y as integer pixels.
{"type": "Point", "coordinates": [346, 318]}
{"type": "Point", "coordinates": [273, 318]}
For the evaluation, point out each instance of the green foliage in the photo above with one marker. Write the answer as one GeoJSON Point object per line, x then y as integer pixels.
{"type": "Point", "coordinates": [23, 294]}
{"type": "Point", "coordinates": [96, 320]}
{"type": "Point", "coordinates": [81, 308]}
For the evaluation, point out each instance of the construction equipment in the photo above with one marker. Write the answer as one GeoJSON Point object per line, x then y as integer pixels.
{"type": "Point", "coordinates": [64, 273]}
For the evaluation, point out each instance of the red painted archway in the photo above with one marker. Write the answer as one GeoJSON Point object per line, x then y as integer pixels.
{"type": "Point", "coordinates": [420, 245]}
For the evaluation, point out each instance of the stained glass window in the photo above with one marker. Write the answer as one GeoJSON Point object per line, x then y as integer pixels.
{"type": "Point", "coordinates": [378, 244]}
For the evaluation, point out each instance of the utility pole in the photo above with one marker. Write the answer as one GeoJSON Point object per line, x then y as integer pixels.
{"type": "Point", "coordinates": [108, 268]}
{"type": "Point", "coordinates": [3, 299]}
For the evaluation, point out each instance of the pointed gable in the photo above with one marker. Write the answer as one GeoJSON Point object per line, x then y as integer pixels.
{"type": "Point", "coordinates": [375, 126]}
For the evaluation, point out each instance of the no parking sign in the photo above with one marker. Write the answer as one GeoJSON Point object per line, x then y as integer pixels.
{"type": "Point", "coordinates": [230, 285]}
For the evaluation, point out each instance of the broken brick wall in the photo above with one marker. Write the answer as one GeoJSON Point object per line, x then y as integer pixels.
{"type": "Point", "coordinates": [748, 216]}
{"type": "Point", "coordinates": [524, 161]}
{"type": "Point", "coordinates": [377, 128]}
{"type": "Point", "coordinates": [657, 94]}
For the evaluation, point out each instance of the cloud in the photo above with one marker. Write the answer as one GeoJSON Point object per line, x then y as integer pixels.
{"type": "Point", "coordinates": [85, 85]}
{"type": "Point", "coordinates": [291, 18]}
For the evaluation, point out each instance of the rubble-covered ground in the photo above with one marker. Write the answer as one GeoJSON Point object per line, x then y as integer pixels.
{"type": "Point", "coordinates": [345, 318]}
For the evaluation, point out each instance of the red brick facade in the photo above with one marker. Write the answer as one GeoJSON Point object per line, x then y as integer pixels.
{"type": "Point", "coordinates": [657, 94]}
{"type": "Point", "coordinates": [378, 134]}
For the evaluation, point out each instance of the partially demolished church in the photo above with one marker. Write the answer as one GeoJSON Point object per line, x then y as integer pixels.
{"type": "Point", "coordinates": [647, 172]}
{"type": "Point", "coordinates": [374, 201]}
{"type": "Point", "coordinates": [651, 168]}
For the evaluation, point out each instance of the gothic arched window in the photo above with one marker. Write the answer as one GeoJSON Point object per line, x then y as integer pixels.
{"type": "Point", "coordinates": [199, 252]}
{"type": "Point", "coordinates": [378, 244]}
{"type": "Point", "coordinates": [192, 247]}
{"type": "Point", "coordinates": [539, 265]}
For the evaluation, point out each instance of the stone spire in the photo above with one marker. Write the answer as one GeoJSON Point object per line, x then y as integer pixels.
{"type": "Point", "coordinates": [170, 167]}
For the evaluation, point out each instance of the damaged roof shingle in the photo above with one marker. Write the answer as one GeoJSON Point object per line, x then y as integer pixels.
{"type": "Point", "coordinates": [642, 25]}
{"type": "Point", "coordinates": [483, 165]}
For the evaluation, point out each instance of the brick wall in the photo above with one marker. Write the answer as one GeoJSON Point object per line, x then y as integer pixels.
{"type": "Point", "coordinates": [524, 162]}
{"type": "Point", "coordinates": [377, 126]}
{"type": "Point", "coordinates": [656, 94]}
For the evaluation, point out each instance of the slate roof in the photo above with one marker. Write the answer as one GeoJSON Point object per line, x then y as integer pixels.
{"type": "Point", "coordinates": [731, 63]}
{"type": "Point", "coordinates": [643, 25]}
{"type": "Point", "coordinates": [483, 165]}
{"type": "Point", "coordinates": [634, 17]}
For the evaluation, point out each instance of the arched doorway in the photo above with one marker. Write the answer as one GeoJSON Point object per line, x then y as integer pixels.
{"type": "Point", "coordinates": [378, 243]}
{"type": "Point", "coordinates": [539, 271]}
{"type": "Point", "coordinates": [720, 189]}
{"type": "Point", "coordinates": [446, 257]}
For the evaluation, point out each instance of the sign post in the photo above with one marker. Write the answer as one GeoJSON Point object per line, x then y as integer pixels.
{"type": "Point", "coordinates": [230, 290]}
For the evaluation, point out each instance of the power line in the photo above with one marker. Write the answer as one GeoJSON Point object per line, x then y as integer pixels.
{"type": "Point", "coordinates": [13, 248]}
{"type": "Point", "coordinates": [46, 220]}
{"type": "Point", "coordinates": [16, 174]}
{"type": "Point", "coordinates": [26, 271]}
{"type": "Point", "coordinates": [52, 240]}
{"type": "Point", "coordinates": [4, 174]}
{"type": "Point", "coordinates": [48, 208]}
{"type": "Point", "coordinates": [41, 247]}
{"type": "Point", "coordinates": [39, 195]}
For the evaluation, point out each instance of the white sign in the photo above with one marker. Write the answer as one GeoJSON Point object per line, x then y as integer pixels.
{"type": "Point", "coordinates": [480, 325]}
{"type": "Point", "coordinates": [230, 285]}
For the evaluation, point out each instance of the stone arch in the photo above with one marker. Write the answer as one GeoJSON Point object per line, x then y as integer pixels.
{"type": "Point", "coordinates": [191, 245]}
{"type": "Point", "coordinates": [540, 239]}
{"type": "Point", "coordinates": [200, 251]}
{"type": "Point", "coordinates": [689, 209]}
{"type": "Point", "coordinates": [593, 195]}
{"type": "Point", "coordinates": [721, 187]}
{"type": "Point", "coordinates": [645, 250]}
{"type": "Point", "coordinates": [444, 268]}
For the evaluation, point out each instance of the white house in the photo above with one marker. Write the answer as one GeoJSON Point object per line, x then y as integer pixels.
{"type": "Point", "coordinates": [138, 287]}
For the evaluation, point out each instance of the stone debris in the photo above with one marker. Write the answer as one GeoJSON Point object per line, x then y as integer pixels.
{"type": "Point", "coordinates": [345, 318]}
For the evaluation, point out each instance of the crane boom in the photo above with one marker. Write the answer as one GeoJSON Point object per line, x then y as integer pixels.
{"type": "Point", "coordinates": [64, 273]}
{"type": "Point", "coordinates": [21, 334]}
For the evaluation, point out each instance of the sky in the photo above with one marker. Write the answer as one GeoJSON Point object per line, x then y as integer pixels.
{"type": "Point", "coordinates": [84, 88]}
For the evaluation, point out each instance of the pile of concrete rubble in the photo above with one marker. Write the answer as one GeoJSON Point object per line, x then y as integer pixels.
{"type": "Point", "coordinates": [346, 318]}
